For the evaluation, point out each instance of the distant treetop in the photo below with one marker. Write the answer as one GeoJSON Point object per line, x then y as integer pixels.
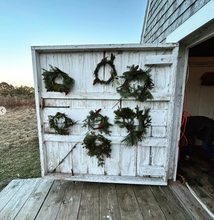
{"type": "Point", "coordinates": [10, 90]}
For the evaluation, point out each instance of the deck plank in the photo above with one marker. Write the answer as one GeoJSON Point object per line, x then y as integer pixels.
{"type": "Point", "coordinates": [35, 200]}
{"type": "Point", "coordinates": [62, 200]}
{"type": "Point", "coordinates": [9, 191]}
{"type": "Point", "coordinates": [109, 207]}
{"type": "Point", "coordinates": [204, 192]}
{"type": "Point", "coordinates": [207, 187]}
{"type": "Point", "coordinates": [51, 205]}
{"type": "Point", "coordinates": [18, 200]}
{"type": "Point", "coordinates": [149, 206]}
{"type": "Point", "coordinates": [89, 206]}
{"type": "Point", "coordinates": [169, 205]}
{"type": "Point", "coordinates": [71, 201]}
{"type": "Point", "coordinates": [129, 208]}
{"type": "Point", "coordinates": [189, 202]}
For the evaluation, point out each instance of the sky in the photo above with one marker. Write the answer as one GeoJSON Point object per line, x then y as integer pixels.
{"type": "Point", "coordinates": [26, 23]}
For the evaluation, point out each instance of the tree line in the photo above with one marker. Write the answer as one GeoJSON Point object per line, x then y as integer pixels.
{"type": "Point", "coordinates": [12, 91]}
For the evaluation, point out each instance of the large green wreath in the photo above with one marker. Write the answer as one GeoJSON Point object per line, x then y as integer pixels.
{"type": "Point", "coordinates": [64, 128]}
{"type": "Point", "coordinates": [51, 85]}
{"type": "Point", "coordinates": [139, 92]}
{"type": "Point", "coordinates": [98, 146]}
{"type": "Point", "coordinates": [96, 121]}
{"type": "Point", "coordinates": [125, 118]}
{"type": "Point", "coordinates": [113, 72]}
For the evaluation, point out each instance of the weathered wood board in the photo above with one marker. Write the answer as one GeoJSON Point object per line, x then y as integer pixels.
{"type": "Point", "coordinates": [150, 159]}
{"type": "Point", "coordinates": [39, 199]}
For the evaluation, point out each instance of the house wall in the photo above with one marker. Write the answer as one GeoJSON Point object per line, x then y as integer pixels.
{"type": "Point", "coordinates": [164, 16]}
{"type": "Point", "coordinates": [200, 98]}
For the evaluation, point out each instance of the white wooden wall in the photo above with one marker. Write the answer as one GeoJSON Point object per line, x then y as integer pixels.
{"type": "Point", "coordinates": [200, 98]}
{"type": "Point", "coordinates": [145, 164]}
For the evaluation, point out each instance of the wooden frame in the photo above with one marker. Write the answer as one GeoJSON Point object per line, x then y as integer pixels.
{"type": "Point", "coordinates": [157, 56]}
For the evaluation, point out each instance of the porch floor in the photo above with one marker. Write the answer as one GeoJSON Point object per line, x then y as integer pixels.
{"type": "Point", "coordinates": [58, 199]}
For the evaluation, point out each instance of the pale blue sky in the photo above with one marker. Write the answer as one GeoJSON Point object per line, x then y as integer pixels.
{"type": "Point", "coordinates": [26, 23]}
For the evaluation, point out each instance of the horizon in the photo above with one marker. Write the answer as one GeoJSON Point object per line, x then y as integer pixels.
{"type": "Point", "coordinates": [68, 22]}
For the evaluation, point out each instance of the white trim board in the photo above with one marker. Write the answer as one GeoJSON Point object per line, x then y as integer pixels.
{"type": "Point", "coordinates": [201, 17]}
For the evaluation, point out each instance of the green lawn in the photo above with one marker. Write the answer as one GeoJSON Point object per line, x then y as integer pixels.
{"type": "Point", "coordinates": [19, 147]}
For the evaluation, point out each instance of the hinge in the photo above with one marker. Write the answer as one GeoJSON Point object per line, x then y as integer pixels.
{"type": "Point", "coordinates": [42, 103]}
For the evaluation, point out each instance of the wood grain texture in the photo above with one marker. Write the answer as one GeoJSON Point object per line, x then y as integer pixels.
{"type": "Point", "coordinates": [89, 206]}
{"type": "Point", "coordinates": [69, 208]}
{"type": "Point", "coordinates": [48, 199]}
{"type": "Point", "coordinates": [129, 208]}
{"type": "Point", "coordinates": [171, 209]}
{"type": "Point", "coordinates": [109, 207]}
{"type": "Point", "coordinates": [79, 63]}
{"type": "Point", "coordinates": [18, 200]}
{"type": "Point", "coordinates": [108, 179]}
{"type": "Point", "coordinates": [32, 206]}
{"type": "Point", "coordinates": [54, 200]}
{"type": "Point", "coordinates": [177, 106]}
{"type": "Point", "coordinates": [148, 204]}
{"type": "Point", "coordinates": [189, 202]}
{"type": "Point", "coordinates": [9, 191]}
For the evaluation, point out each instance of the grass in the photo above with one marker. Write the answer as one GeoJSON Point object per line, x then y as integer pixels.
{"type": "Point", "coordinates": [17, 101]}
{"type": "Point", "coordinates": [19, 147]}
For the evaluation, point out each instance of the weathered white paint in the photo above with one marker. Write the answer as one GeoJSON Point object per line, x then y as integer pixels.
{"type": "Point", "coordinates": [160, 59]}
{"type": "Point", "coordinates": [150, 158]}
{"type": "Point", "coordinates": [204, 15]}
{"type": "Point", "coordinates": [178, 109]}
{"type": "Point", "coordinates": [109, 179]}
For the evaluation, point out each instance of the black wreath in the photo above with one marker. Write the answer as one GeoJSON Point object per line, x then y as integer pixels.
{"type": "Point", "coordinates": [96, 121]}
{"type": "Point", "coordinates": [125, 117]}
{"type": "Point", "coordinates": [64, 129]}
{"type": "Point", "coordinates": [141, 93]}
{"type": "Point", "coordinates": [51, 85]}
{"type": "Point", "coordinates": [113, 72]}
{"type": "Point", "coordinates": [100, 150]}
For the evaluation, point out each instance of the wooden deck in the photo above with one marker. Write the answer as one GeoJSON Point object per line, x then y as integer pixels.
{"type": "Point", "coordinates": [57, 199]}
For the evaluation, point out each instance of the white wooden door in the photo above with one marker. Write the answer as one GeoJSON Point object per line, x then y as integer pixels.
{"type": "Point", "coordinates": [145, 164]}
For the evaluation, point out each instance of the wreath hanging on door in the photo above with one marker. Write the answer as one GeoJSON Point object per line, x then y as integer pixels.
{"type": "Point", "coordinates": [126, 117]}
{"type": "Point", "coordinates": [66, 123]}
{"type": "Point", "coordinates": [96, 121]}
{"type": "Point", "coordinates": [98, 146]}
{"type": "Point", "coordinates": [50, 77]}
{"type": "Point", "coordinates": [139, 92]}
{"type": "Point", "coordinates": [113, 71]}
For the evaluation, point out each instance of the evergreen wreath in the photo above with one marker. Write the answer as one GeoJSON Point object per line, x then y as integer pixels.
{"type": "Point", "coordinates": [113, 72]}
{"type": "Point", "coordinates": [51, 85]}
{"type": "Point", "coordinates": [98, 146]}
{"type": "Point", "coordinates": [96, 121]}
{"type": "Point", "coordinates": [54, 123]}
{"type": "Point", "coordinates": [125, 118]}
{"type": "Point", "coordinates": [141, 93]}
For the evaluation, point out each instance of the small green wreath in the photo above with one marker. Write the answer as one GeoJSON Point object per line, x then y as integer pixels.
{"type": "Point", "coordinates": [52, 86]}
{"type": "Point", "coordinates": [54, 123]}
{"type": "Point", "coordinates": [96, 121]}
{"type": "Point", "coordinates": [125, 118]}
{"type": "Point", "coordinates": [141, 93]}
{"type": "Point", "coordinates": [113, 72]}
{"type": "Point", "coordinates": [98, 146]}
